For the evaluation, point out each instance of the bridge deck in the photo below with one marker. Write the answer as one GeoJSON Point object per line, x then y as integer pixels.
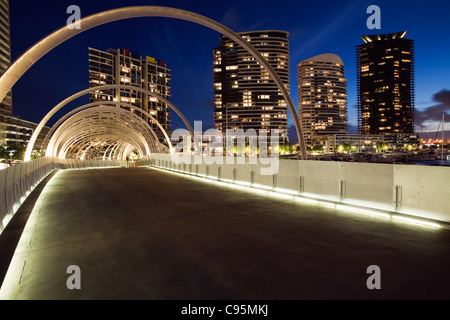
{"type": "Point", "coordinates": [139, 233]}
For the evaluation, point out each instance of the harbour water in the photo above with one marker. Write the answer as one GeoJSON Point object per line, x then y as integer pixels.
{"type": "Point", "coordinates": [431, 163]}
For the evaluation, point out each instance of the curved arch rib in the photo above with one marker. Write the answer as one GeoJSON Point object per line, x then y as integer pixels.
{"type": "Point", "coordinates": [41, 124]}
{"type": "Point", "coordinates": [100, 103]}
{"type": "Point", "coordinates": [99, 122]}
{"type": "Point", "coordinates": [21, 65]}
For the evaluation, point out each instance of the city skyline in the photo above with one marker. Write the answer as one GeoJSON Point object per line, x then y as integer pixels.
{"type": "Point", "coordinates": [187, 47]}
{"type": "Point", "coordinates": [129, 188]}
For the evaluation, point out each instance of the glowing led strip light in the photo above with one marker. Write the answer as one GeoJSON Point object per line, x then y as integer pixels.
{"type": "Point", "coordinates": [363, 211]}
{"type": "Point", "coordinates": [417, 222]}
{"type": "Point", "coordinates": [290, 195]}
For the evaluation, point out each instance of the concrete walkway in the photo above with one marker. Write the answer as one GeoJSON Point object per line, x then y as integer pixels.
{"type": "Point", "coordinates": [140, 233]}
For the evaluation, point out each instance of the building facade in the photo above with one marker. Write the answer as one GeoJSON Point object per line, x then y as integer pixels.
{"type": "Point", "coordinates": [16, 131]}
{"type": "Point", "coordinates": [322, 93]}
{"type": "Point", "coordinates": [385, 76]}
{"type": "Point", "coordinates": [124, 67]}
{"type": "Point", "coordinates": [5, 53]}
{"type": "Point", "coordinates": [244, 95]}
{"type": "Point", "coordinates": [361, 143]}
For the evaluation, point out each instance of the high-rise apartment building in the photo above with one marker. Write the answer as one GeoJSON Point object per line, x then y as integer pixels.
{"type": "Point", "coordinates": [123, 67]}
{"type": "Point", "coordinates": [322, 93]}
{"type": "Point", "coordinates": [5, 53]}
{"type": "Point", "coordinates": [16, 131]}
{"type": "Point", "coordinates": [385, 75]}
{"type": "Point", "coordinates": [244, 95]}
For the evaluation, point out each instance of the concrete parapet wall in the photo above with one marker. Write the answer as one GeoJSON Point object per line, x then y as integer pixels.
{"type": "Point", "coordinates": [421, 191]}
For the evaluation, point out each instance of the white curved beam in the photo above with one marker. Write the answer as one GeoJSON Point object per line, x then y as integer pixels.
{"type": "Point", "coordinates": [79, 140]}
{"type": "Point", "coordinates": [100, 103]}
{"type": "Point", "coordinates": [77, 95]}
{"type": "Point", "coordinates": [21, 65]}
{"type": "Point", "coordinates": [97, 106]}
{"type": "Point", "coordinates": [87, 130]}
{"type": "Point", "coordinates": [94, 123]}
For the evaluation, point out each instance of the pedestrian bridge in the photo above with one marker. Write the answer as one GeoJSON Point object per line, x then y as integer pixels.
{"type": "Point", "coordinates": [415, 193]}
{"type": "Point", "coordinates": [177, 231]}
{"type": "Point", "coordinates": [172, 230]}
{"type": "Point", "coordinates": [181, 226]}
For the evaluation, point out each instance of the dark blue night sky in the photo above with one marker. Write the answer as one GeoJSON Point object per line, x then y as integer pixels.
{"type": "Point", "coordinates": [315, 27]}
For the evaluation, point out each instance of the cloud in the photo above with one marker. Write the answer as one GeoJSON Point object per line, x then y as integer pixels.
{"type": "Point", "coordinates": [352, 129]}
{"type": "Point", "coordinates": [237, 18]}
{"type": "Point", "coordinates": [329, 29]}
{"type": "Point", "coordinates": [231, 17]}
{"type": "Point", "coordinates": [434, 113]}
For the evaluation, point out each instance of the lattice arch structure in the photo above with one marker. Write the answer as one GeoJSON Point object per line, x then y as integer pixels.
{"type": "Point", "coordinates": [103, 132]}
{"type": "Point", "coordinates": [66, 101]}
{"type": "Point", "coordinates": [48, 147]}
{"type": "Point", "coordinates": [36, 52]}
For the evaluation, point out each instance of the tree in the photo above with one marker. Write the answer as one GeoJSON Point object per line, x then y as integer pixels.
{"type": "Point", "coordinates": [3, 153]}
{"type": "Point", "coordinates": [382, 146]}
{"type": "Point", "coordinates": [348, 147]}
{"type": "Point", "coordinates": [20, 151]}
{"type": "Point", "coordinates": [317, 149]}
{"type": "Point", "coordinates": [14, 152]}
{"type": "Point", "coordinates": [286, 148]}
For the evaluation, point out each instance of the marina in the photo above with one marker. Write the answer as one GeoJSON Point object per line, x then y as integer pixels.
{"type": "Point", "coordinates": [399, 157]}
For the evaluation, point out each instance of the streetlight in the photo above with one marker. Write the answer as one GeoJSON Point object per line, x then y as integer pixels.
{"type": "Point", "coordinates": [11, 153]}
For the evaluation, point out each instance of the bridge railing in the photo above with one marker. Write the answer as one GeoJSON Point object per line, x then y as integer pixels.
{"type": "Point", "coordinates": [421, 191]}
{"type": "Point", "coordinates": [18, 181]}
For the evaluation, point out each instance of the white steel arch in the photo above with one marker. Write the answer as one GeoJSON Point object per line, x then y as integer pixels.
{"type": "Point", "coordinates": [100, 124]}
{"type": "Point", "coordinates": [81, 142]}
{"type": "Point", "coordinates": [21, 65]}
{"type": "Point", "coordinates": [85, 135]}
{"type": "Point", "coordinates": [102, 103]}
{"type": "Point", "coordinates": [63, 103]}
{"type": "Point", "coordinates": [55, 142]}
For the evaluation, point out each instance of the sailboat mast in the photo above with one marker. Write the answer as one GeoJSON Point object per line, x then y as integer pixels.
{"type": "Point", "coordinates": [442, 149]}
